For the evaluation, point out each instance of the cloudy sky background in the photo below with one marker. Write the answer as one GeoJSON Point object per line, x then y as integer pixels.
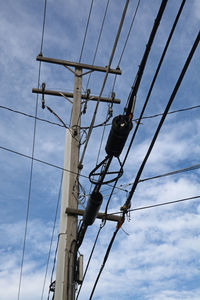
{"type": "Point", "coordinates": [159, 258]}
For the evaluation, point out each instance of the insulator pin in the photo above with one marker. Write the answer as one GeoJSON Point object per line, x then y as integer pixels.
{"type": "Point", "coordinates": [121, 126]}
{"type": "Point", "coordinates": [93, 206]}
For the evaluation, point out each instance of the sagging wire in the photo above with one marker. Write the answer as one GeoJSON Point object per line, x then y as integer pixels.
{"type": "Point", "coordinates": [73, 130]}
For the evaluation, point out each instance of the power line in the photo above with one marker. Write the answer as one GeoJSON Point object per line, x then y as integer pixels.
{"type": "Point", "coordinates": [89, 259]}
{"type": "Point", "coordinates": [138, 78]}
{"type": "Point", "coordinates": [170, 112]}
{"type": "Point", "coordinates": [155, 77]}
{"type": "Point", "coordinates": [99, 125]}
{"type": "Point", "coordinates": [127, 204]}
{"type": "Point", "coordinates": [178, 83]}
{"type": "Point", "coordinates": [41, 161]}
{"type": "Point", "coordinates": [134, 89]}
{"type": "Point", "coordinates": [106, 256]}
{"type": "Point", "coordinates": [30, 116]}
{"type": "Point", "coordinates": [46, 163]}
{"type": "Point", "coordinates": [86, 29]}
{"type": "Point", "coordinates": [31, 170]}
{"type": "Point", "coordinates": [157, 205]}
{"type": "Point", "coordinates": [98, 41]}
{"type": "Point", "coordinates": [119, 226]}
{"type": "Point", "coordinates": [105, 78]}
{"type": "Point", "coordinates": [126, 41]}
{"type": "Point", "coordinates": [194, 167]}
{"type": "Point", "coordinates": [52, 236]}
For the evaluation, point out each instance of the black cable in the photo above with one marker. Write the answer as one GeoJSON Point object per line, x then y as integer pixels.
{"type": "Point", "coordinates": [91, 253]}
{"type": "Point", "coordinates": [52, 236]}
{"type": "Point", "coordinates": [95, 126]}
{"type": "Point", "coordinates": [98, 125]}
{"type": "Point", "coordinates": [126, 41]}
{"type": "Point", "coordinates": [105, 78]}
{"type": "Point", "coordinates": [178, 83]}
{"type": "Point", "coordinates": [194, 167]}
{"type": "Point", "coordinates": [118, 227]}
{"type": "Point", "coordinates": [170, 112]}
{"type": "Point", "coordinates": [132, 96]}
{"type": "Point", "coordinates": [105, 259]}
{"type": "Point", "coordinates": [150, 90]}
{"type": "Point", "coordinates": [33, 149]}
{"type": "Point", "coordinates": [41, 161]}
{"type": "Point", "coordinates": [138, 124]}
{"type": "Point", "coordinates": [156, 205]}
{"type": "Point", "coordinates": [152, 84]}
{"type": "Point", "coordinates": [86, 29]}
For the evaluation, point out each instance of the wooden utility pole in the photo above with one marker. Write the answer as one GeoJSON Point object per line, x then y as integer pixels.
{"type": "Point", "coordinates": [66, 259]}
{"type": "Point", "coordinates": [65, 288]}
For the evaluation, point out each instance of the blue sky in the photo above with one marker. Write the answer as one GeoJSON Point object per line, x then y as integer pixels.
{"type": "Point", "coordinates": [159, 258]}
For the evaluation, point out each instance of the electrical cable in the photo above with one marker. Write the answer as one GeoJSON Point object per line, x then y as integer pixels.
{"type": "Point", "coordinates": [170, 112]}
{"type": "Point", "coordinates": [89, 259]}
{"type": "Point", "coordinates": [105, 79]}
{"type": "Point", "coordinates": [194, 167]}
{"type": "Point", "coordinates": [178, 83]}
{"type": "Point", "coordinates": [42, 161]}
{"type": "Point", "coordinates": [126, 41]}
{"type": "Point", "coordinates": [33, 150]}
{"type": "Point", "coordinates": [88, 20]}
{"type": "Point", "coordinates": [52, 236]}
{"type": "Point", "coordinates": [46, 163]}
{"type": "Point", "coordinates": [173, 94]}
{"type": "Point", "coordinates": [157, 205]}
{"type": "Point", "coordinates": [54, 264]}
{"type": "Point", "coordinates": [99, 125]}
{"type": "Point", "coordinates": [139, 76]}
{"type": "Point", "coordinates": [106, 255]}
{"type": "Point", "coordinates": [150, 90]}
{"type": "Point", "coordinates": [98, 41]}
{"type": "Point", "coordinates": [134, 89]}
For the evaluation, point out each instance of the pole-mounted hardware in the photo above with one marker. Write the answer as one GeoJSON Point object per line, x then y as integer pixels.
{"type": "Point", "coordinates": [43, 90]}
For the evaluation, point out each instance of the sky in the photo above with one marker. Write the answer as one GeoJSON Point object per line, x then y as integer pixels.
{"type": "Point", "coordinates": [156, 254]}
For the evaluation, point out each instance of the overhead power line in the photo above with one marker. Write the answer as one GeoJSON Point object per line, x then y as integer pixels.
{"type": "Point", "coordinates": [41, 161]}
{"type": "Point", "coordinates": [98, 41]}
{"type": "Point", "coordinates": [105, 79]}
{"type": "Point", "coordinates": [99, 125]}
{"type": "Point", "coordinates": [137, 81]}
{"type": "Point", "coordinates": [155, 77]}
{"type": "Point", "coordinates": [106, 257]}
{"type": "Point", "coordinates": [127, 204]}
{"type": "Point", "coordinates": [157, 205]}
{"type": "Point", "coordinates": [32, 155]}
{"type": "Point", "coordinates": [194, 167]}
{"type": "Point", "coordinates": [126, 41]}
{"type": "Point", "coordinates": [86, 29]}
{"type": "Point", "coordinates": [178, 83]}
{"type": "Point", "coordinates": [52, 236]}
{"type": "Point", "coordinates": [133, 94]}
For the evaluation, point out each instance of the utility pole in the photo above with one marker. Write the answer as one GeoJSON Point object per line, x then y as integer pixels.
{"type": "Point", "coordinates": [66, 259]}
{"type": "Point", "coordinates": [65, 288]}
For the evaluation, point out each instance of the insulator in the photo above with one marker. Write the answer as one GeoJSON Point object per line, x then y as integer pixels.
{"type": "Point", "coordinates": [121, 126]}
{"type": "Point", "coordinates": [92, 208]}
